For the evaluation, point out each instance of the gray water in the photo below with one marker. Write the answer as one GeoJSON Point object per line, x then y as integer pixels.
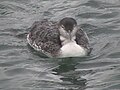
{"type": "Point", "coordinates": [23, 69]}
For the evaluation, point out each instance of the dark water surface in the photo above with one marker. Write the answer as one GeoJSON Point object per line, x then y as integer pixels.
{"type": "Point", "coordinates": [23, 69]}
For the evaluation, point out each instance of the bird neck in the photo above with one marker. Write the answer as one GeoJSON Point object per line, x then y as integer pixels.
{"type": "Point", "coordinates": [65, 40]}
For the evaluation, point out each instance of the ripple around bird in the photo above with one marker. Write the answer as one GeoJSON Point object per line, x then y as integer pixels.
{"type": "Point", "coordinates": [21, 68]}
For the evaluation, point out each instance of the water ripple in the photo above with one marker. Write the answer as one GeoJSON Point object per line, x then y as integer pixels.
{"type": "Point", "coordinates": [21, 68]}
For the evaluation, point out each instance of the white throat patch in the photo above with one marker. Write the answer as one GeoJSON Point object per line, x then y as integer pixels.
{"type": "Point", "coordinates": [69, 46]}
{"type": "Point", "coordinates": [72, 49]}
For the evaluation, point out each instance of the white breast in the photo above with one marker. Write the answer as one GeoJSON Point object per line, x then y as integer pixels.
{"type": "Point", "coordinates": [71, 49]}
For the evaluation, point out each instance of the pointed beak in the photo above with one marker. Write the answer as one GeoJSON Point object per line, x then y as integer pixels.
{"type": "Point", "coordinates": [69, 32]}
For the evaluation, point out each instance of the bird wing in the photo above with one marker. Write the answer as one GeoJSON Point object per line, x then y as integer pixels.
{"type": "Point", "coordinates": [82, 39]}
{"type": "Point", "coordinates": [44, 35]}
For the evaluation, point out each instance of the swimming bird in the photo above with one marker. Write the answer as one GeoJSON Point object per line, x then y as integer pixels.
{"type": "Point", "coordinates": [59, 39]}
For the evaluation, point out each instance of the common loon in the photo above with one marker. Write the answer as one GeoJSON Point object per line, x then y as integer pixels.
{"type": "Point", "coordinates": [59, 39]}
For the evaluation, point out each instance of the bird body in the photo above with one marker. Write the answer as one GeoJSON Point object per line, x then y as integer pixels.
{"type": "Point", "coordinates": [63, 39]}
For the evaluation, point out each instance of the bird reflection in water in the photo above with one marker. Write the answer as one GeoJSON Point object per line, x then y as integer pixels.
{"type": "Point", "coordinates": [71, 78]}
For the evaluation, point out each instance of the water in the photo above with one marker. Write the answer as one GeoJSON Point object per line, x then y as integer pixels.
{"type": "Point", "coordinates": [23, 69]}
